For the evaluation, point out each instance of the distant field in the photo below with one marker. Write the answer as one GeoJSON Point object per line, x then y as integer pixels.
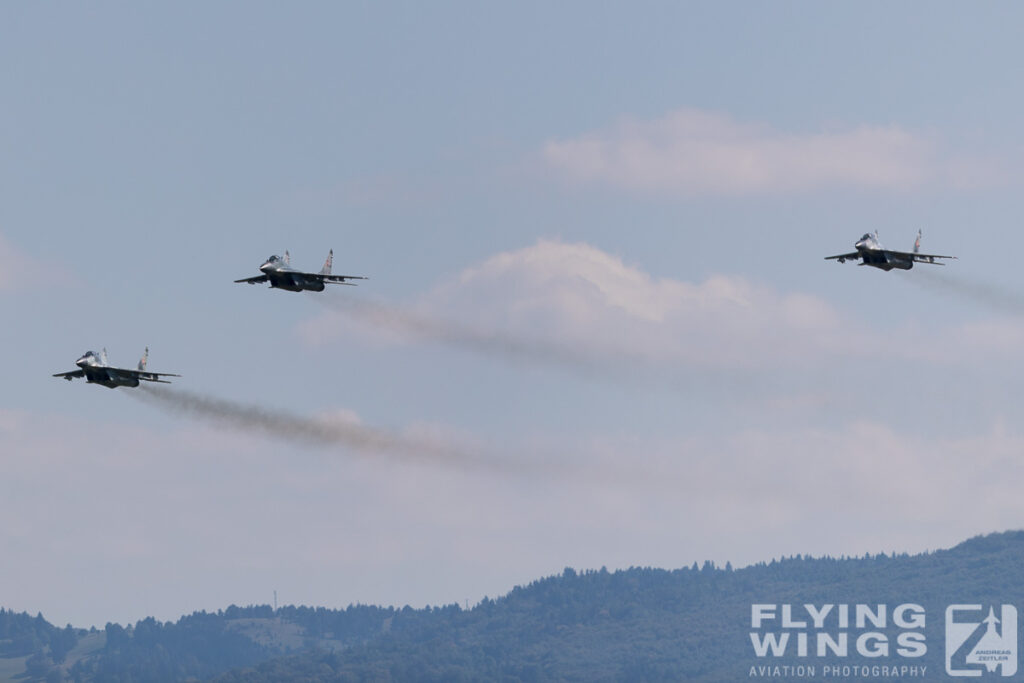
{"type": "Point", "coordinates": [87, 645]}
{"type": "Point", "coordinates": [281, 635]}
{"type": "Point", "coordinates": [13, 668]}
{"type": "Point", "coordinates": [273, 633]}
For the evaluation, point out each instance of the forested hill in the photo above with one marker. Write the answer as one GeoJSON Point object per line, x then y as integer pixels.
{"type": "Point", "coordinates": [635, 624]}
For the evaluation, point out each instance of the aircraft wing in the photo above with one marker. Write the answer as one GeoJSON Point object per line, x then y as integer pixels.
{"type": "Point", "coordinates": [152, 376]}
{"type": "Point", "coordinates": [144, 375]}
{"type": "Point", "coordinates": [930, 258]}
{"type": "Point", "coordinates": [69, 375]}
{"type": "Point", "coordinates": [254, 280]}
{"type": "Point", "coordinates": [340, 279]}
{"type": "Point", "coordinates": [843, 257]}
{"type": "Point", "coordinates": [919, 258]}
{"type": "Point", "coordinates": [334, 279]}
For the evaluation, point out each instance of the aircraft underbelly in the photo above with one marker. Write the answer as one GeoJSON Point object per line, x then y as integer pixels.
{"type": "Point", "coordinates": [901, 264]}
{"type": "Point", "coordinates": [887, 262]}
{"type": "Point", "coordinates": [299, 283]}
{"type": "Point", "coordinates": [109, 379]}
{"type": "Point", "coordinates": [285, 282]}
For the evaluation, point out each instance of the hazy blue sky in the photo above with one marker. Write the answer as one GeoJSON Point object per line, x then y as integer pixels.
{"type": "Point", "coordinates": [599, 329]}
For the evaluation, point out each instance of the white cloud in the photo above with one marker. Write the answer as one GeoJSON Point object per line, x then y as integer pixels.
{"type": "Point", "coordinates": [805, 459]}
{"type": "Point", "coordinates": [862, 486]}
{"type": "Point", "coordinates": [13, 261]}
{"type": "Point", "coordinates": [20, 268]}
{"type": "Point", "coordinates": [695, 152]}
{"type": "Point", "coordinates": [585, 299]}
{"type": "Point", "coordinates": [213, 518]}
{"type": "Point", "coordinates": [576, 307]}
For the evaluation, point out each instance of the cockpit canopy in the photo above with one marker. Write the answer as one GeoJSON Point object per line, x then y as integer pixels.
{"type": "Point", "coordinates": [274, 258]}
{"type": "Point", "coordinates": [88, 358]}
{"type": "Point", "coordinates": [868, 236]}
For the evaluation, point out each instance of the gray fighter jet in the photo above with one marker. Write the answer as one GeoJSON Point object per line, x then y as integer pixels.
{"type": "Point", "coordinates": [872, 253]}
{"type": "Point", "coordinates": [279, 273]}
{"type": "Point", "coordinates": [94, 368]}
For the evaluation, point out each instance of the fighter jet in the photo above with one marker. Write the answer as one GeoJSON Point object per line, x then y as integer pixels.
{"type": "Point", "coordinates": [872, 253]}
{"type": "Point", "coordinates": [279, 273]}
{"type": "Point", "coordinates": [95, 369]}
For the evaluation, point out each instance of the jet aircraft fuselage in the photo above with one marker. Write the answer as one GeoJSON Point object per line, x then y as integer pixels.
{"type": "Point", "coordinates": [871, 253]}
{"type": "Point", "coordinates": [279, 273]}
{"type": "Point", "coordinates": [282, 276]}
{"type": "Point", "coordinates": [94, 368]}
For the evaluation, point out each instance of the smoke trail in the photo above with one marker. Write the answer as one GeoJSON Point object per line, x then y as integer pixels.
{"type": "Point", "coordinates": [367, 440]}
{"type": "Point", "coordinates": [620, 365]}
{"type": "Point", "coordinates": [405, 321]}
{"type": "Point", "coordinates": [604, 363]}
{"type": "Point", "coordinates": [372, 441]}
{"type": "Point", "coordinates": [994, 297]}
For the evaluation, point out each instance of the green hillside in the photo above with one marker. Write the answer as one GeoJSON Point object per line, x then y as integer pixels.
{"type": "Point", "coordinates": [636, 624]}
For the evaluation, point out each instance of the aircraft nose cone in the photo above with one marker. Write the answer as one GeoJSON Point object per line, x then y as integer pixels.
{"type": "Point", "coordinates": [265, 267]}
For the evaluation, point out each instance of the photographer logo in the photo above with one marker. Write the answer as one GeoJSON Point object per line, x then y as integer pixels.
{"type": "Point", "coordinates": [981, 641]}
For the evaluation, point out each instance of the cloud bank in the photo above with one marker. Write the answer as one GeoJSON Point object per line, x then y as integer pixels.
{"type": "Point", "coordinates": [578, 307]}
{"type": "Point", "coordinates": [695, 152]}
{"type": "Point", "coordinates": [746, 495]}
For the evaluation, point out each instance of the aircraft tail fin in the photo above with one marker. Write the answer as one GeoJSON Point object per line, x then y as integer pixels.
{"type": "Point", "coordinates": [287, 258]}
{"type": "Point", "coordinates": [103, 356]}
{"type": "Point", "coordinates": [326, 270]}
{"type": "Point", "coordinates": [144, 359]}
{"type": "Point", "coordinates": [917, 242]}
